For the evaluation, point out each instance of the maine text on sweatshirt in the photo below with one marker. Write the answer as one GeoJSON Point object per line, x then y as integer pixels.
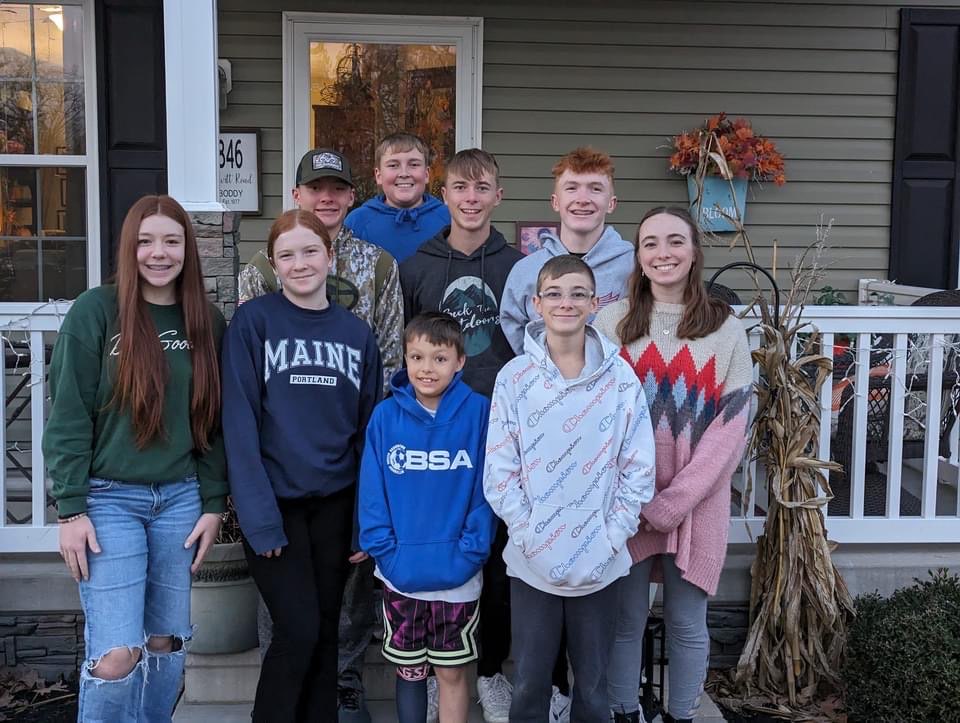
{"type": "Point", "coordinates": [299, 387]}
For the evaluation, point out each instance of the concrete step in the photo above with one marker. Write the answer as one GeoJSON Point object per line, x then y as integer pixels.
{"type": "Point", "coordinates": [212, 679]}
{"type": "Point", "coordinates": [381, 711]}
{"type": "Point", "coordinates": [215, 680]}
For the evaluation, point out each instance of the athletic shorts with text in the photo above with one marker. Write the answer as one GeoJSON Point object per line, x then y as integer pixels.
{"type": "Point", "coordinates": [429, 631]}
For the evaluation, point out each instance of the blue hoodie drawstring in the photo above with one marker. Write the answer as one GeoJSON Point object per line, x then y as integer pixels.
{"type": "Point", "coordinates": [403, 214]}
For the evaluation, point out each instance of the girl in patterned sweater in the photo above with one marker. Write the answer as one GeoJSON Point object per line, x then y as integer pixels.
{"type": "Point", "coordinates": [691, 355]}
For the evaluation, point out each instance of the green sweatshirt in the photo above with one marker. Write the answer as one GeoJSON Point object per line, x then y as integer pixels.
{"type": "Point", "coordinates": [87, 436]}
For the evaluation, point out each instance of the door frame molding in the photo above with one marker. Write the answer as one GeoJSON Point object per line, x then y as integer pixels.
{"type": "Point", "coordinates": [300, 28]}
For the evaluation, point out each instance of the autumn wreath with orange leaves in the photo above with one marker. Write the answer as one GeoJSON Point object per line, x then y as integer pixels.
{"type": "Point", "coordinates": [727, 148]}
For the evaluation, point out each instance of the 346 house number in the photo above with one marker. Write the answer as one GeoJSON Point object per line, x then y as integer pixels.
{"type": "Point", "coordinates": [233, 154]}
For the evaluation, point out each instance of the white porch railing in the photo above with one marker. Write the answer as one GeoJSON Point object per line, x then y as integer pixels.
{"type": "Point", "coordinates": [28, 519]}
{"type": "Point", "coordinates": [917, 497]}
{"type": "Point", "coordinates": [903, 498]}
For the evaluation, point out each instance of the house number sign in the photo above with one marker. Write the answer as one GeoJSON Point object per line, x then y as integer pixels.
{"type": "Point", "coordinates": [238, 156]}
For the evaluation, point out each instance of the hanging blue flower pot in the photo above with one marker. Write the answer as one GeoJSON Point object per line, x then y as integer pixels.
{"type": "Point", "coordinates": [718, 196]}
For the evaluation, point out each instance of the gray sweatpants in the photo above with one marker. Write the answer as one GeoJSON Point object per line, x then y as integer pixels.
{"type": "Point", "coordinates": [688, 643]}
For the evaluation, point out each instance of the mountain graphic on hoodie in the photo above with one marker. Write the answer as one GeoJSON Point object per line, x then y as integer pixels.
{"type": "Point", "coordinates": [469, 288]}
{"type": "Point", "coordinates": [471, 302]}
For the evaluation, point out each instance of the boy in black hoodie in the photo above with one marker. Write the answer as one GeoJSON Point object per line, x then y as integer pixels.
{"type": "Point", "coordinates": [462, 271]}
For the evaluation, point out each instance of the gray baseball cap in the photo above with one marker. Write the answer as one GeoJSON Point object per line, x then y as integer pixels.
{"type": "Point", "coordinates": [323, 163]}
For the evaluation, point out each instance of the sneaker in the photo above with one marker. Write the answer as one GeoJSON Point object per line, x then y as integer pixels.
{"type": "Point", "coordinates": [495, 695]}
{"type": "Point", "coordinates": [433, 700]}
{"type": "Point", "coordinates": [352, 706]}
{"type": "Point", "coordinates": [559, 707]}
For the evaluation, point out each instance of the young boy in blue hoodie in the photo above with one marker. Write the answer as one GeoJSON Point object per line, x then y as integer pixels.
{"type": "Point", "coordinates": [404, 215]}
{"type": "Point", "coordinates": [570, 462]}
{"type": "Point", "coordinates": [424, 519]}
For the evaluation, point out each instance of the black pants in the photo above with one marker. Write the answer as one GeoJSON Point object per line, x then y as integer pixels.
{"type": "Point", "coordinates": [303, 589]}
{"type": "Point", "coordinates": [538, 620]}
{"type": "Point", "coordinates": [494, 633]}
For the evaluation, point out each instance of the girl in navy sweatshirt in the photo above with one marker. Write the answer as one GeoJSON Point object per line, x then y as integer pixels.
{"type": "Point", "coordinates": [301, 376]}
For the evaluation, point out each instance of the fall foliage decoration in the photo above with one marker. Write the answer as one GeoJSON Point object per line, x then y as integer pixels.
{"type": "Point", "coordinates": [727, 148]}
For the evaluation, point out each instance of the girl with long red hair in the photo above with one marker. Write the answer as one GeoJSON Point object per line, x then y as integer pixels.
{"type": "Point", "coordinates": [133, 445]}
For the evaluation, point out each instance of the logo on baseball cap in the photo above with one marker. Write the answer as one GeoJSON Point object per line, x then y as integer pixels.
{"type": "Point", "coordinates": [323, 163]}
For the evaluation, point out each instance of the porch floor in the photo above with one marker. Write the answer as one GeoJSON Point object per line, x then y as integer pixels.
{"type": "Point", "coordinates": [381, 711]}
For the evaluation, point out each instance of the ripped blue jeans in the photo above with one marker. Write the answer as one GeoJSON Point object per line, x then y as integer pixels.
{"type": "Point", "coordinates": [139, 587]}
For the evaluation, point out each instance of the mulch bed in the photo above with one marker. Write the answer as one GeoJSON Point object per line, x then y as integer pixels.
{"type": "Point", "coordinates": [25, 697]}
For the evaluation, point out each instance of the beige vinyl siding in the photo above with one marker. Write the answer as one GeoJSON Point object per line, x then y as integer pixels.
{"type": "Point", "coordinates": [625, 76]}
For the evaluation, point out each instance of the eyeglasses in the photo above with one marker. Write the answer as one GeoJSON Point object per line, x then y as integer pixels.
{"type": "Point", "coordinates": [575, 297]}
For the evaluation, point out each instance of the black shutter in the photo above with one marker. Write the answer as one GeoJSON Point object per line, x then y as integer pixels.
{"type": "Point", "coordinates": [925, 213]}
{"type": "Point", "coordinates": [131, 111]}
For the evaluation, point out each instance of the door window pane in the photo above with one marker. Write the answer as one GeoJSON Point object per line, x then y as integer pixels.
{"type": "Point", "coordinates": [43, 228]}
{"type": "Point", "coordinates": [361, 92]}
{"type": "Point", "coordinates": [16, 56]}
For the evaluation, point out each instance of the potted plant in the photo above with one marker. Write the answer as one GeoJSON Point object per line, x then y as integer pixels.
{"type": "Point", "coordinates": [223, 599]}
{"type": "Point", "coordinates": [718, 159]}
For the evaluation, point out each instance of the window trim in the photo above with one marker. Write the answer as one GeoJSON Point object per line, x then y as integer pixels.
{"type": "Point", "coordinates": [88, 160]}
{"type": "Point", "coordinates": [302, 28]}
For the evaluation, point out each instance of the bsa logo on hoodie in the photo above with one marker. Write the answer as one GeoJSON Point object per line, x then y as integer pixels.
{"type": "Point", "coordinates": [471, 302]}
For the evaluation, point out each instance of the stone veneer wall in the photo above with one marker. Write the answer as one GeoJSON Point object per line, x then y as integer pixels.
{"type": "Point", "coordinates": [217, 238]}
{"type": "Point", "coordinates": [51, 644]}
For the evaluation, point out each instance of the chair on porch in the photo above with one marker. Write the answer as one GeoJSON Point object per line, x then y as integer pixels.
{"type": "Point", "coordinates": [878, 428]}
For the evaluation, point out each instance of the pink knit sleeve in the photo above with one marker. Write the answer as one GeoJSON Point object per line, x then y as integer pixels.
{"type": "Point", "coordinates": [718, 452]}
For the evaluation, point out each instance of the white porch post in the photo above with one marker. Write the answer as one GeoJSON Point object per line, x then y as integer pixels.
{"type": "Point", "coordinates": [193, 118]}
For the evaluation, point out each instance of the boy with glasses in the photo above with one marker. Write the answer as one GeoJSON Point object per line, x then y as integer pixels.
{"type": "Point", "coordinates": [570, 462]}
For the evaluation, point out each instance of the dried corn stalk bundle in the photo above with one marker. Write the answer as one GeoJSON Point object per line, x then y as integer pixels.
{"type": "Point", "coordinates": [799, 604]}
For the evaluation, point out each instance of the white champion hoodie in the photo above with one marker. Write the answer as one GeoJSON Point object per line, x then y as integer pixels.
{"type": "Point", "coordinates": [569, 463]}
